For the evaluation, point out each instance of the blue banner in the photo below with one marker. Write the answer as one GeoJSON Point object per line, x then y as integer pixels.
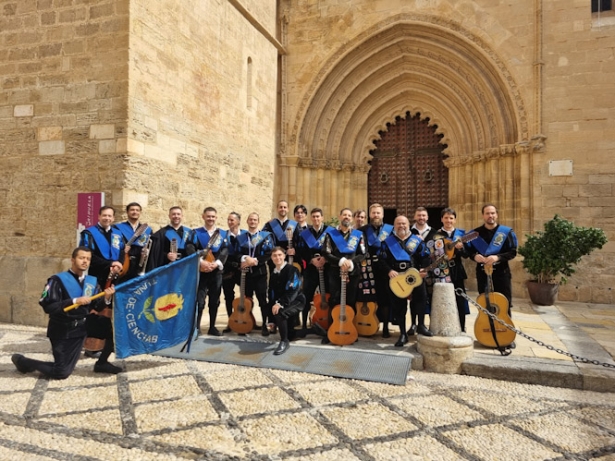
{"type": "Point", "coordinates": [157, 310]}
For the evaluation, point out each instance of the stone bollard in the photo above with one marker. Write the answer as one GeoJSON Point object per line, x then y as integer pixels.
{"type": "Point", "coordinates": [446, 351]}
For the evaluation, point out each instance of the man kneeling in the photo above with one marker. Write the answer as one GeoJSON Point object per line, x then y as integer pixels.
{"type": "Point", "coordinates": [285, 297]}
{"type": "Point", "coordinates": [67, 329]}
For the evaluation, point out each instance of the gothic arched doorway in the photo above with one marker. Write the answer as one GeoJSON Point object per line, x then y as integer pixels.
{"type": "Point", "coordinates": [407, 169]}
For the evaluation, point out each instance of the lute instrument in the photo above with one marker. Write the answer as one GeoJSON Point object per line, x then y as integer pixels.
{"type": "Point", "coordinates": [208, 255]}
{"type": "Point", "coordinates": [488, 332]}
{"type": "Point", "coordinates": [449, 245]}
{"type": "Point", "coordinates": [97, 344]}
{"type": "Point", "coordinates": [403, 284]}
{"type": "Point", "coordinates": [342, 331]}
{"type": "Point", "coordinates": [241, 320]}
{"type": "Point", "coordinates": [138, 233]}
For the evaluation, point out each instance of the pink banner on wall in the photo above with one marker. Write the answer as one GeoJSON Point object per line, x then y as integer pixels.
{"type": "Point", "coordinates": [88, 204]}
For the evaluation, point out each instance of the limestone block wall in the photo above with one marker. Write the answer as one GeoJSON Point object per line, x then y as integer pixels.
{"type": "Point", "coordinates": [63, 100]}
{"type": "Point", "coordinates": [166, 103]}
{"type": "Point", "coordinates": [576, 177]}
{"type": "Point", "coordinates": [202, 108]}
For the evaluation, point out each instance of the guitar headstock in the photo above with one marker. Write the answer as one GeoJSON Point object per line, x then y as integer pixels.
{"type": "Point", "coordinates": [289, 233]}
{"type": "Point", "coordinates": [488, 268]}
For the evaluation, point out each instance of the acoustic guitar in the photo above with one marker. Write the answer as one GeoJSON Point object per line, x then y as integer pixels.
{"type": "Point", "coordinates": [208, 255]}
{"type": "Point", "coordinates": [342, 331]}
{"type": "Point", "coordinates": [403, 284]}
{"type": "Point", "coordinates": [138, 233]}
{"type": "Point", "coordinates": [366, 321]}
{"type": "Point", "coordinates": [449, 245]}
{"type": "Point", "coordinates": [241, 320]}
{"type": "Point", "coordinates": [321, 302]}
{"type": "Point", "coordinates": [488, 332]}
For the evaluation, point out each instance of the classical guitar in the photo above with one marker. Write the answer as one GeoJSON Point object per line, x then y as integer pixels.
{"type": "Point", "coordinates": [403, 284]}
{"type": "Point", "coordinates": [241, 319]}
{"type": "Point", "coordinates": [488, 332]}
{"type": "Point", "coordinates": [366, 321]}
{"type": "Point", "coordinates": [342, 331]}
{"type": "Point", "coordinates": [321, 302]}
{"type": "Point", "coordinates": [138, 233]}
{"type": "Point", "coordinates": [289, 238]}
{"type": "Point", "coordinates": [449, 245]}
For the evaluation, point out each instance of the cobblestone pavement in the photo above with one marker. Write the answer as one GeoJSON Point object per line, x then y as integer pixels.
{"type": "Point", "coordinates": [170, 409]}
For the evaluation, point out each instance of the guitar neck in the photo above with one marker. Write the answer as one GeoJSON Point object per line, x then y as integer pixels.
{"type": "Point", "coordinates": [242, 288]}
{"type": "Point", "coordinates": [343, 276]}
{"type": "Point", "coordinates": [321, 281]}
{"type": "Point", "coordinates": [138, 232]}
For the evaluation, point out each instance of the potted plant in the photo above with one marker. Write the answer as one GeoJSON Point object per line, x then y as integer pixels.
{"type": "Point", "coordinates": [550, 256]}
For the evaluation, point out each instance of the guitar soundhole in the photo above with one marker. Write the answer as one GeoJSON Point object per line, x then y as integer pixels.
{"type": "Point", "coordinates": [342, 318]}
{"type": "Point", "coordinates": [410, 280]}
{"type": "Point", "coordinates": [364, 310]}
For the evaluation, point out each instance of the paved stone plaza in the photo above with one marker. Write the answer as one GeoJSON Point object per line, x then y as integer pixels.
{"type": "Point", "coordinates": [170, 409]}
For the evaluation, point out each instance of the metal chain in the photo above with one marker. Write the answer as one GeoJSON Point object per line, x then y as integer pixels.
{"type": "Point", "coordinates": [461, 293]}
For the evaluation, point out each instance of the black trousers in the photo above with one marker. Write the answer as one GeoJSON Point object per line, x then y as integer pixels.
{"type": "Point", "coordinates": [229, 280]}
{"type": "Point", "coordinates": [66, 353]}
{"type": "Point", "coordinates": [257, 285]}
{"type": "Point", "coordinates": [210, 285]}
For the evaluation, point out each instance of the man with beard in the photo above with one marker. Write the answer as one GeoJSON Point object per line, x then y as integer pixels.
{"type": "Point", "coordinates": [310, 247]}
{"type": "Point", "coordinates": [67, 329]}
{"type": "Point", "coordinates": [231, 274]}
{"type": "Point", "coordinates": [213, 239]}
{"type": "Point", "coordinates": [107, 247]}
{"type": "Point", "coordinates": [400, 251]}
{"type": "Point", "coordinates": [374, 283]}
{"type": "Point", "coordinates": [173, 233]}
{"type": "Point", "coordinates": [495, 246]}
{"type": "Point", "coordinates": [138, 248]}
{"type": "Point", "coordinates": [252, 252]}
{"type": "Point", "coordinates": [344, 250]}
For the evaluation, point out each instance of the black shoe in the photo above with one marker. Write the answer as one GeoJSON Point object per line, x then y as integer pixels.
{"type": "Point", "coordinates": [412, 330]}
{"type": "Point", "coordinates": [227, 330]}
{"type": "Point", "coordinates": [325, 340]}
{"type": "Point", "coordinates": [512, 345]}
{"type": "Point", "coordinates": [213, 331]}
{"type": "Point", "coordinates": [106, 367]}
{"type": "Point", "coordinates": [18, 361]}
{"type": "Point", "coordinates": [265, 331]}
{"type": "Point", "coordinates": [282, 347]}
{"type": "Point", "coordinates": [403, 339]}
{"type": "Point", "coordinates": [319, 330]}
{"type": "Point", "coordinates": [91, 354]}
{"type": "Point", "coordinates": [386, 334]}
{"type": "Point", "coordinates": [422, 330]}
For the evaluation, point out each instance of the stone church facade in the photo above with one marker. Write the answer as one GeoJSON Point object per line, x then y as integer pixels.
{"type": "Point", "coordinates": [329, 103]}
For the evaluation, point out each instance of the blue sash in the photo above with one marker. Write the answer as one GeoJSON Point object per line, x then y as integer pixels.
{"type": "Point", "coordinates": [312, 242]}
{"type": "Point", "coordinates": [233, 240]}
{"type": "Point", "coordinates": [403, 251]}
{"type": "Point", "coordinates": [344, 246]}
{"type": "Point", "coordinates": [500, 236]}
{"type": "Point", "coordinates": [203, 236]}
{"type": "Point", "coordinates": [74, 288]}
{"type": "Point", "coordinates": [373, 240]}
{"type": "Point", "coordinates": [109, 252]}
{"type": "Point", "coordinates": [127, 232]}
{"type": "Point", "coordinates": [244, 240]}
{"type": "Point", "coordinates": [280, 234]}
{"type": "Point", "coordinates": [172, 234]}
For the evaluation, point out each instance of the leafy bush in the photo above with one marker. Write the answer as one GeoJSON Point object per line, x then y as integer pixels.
{"type": "Point", "coordinates": [556, 250]}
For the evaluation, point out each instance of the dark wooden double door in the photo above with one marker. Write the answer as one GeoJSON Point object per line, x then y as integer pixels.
{"type": "Point", "coordinates": [407, 170]}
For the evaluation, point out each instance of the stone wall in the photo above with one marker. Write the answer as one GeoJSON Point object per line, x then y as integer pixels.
{"type": "Point", "coordinates": [142, 100]}
{"type": "Point", "coordinates": [544, 74]}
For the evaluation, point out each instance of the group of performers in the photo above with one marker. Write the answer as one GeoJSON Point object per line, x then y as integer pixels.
{"type": "Point", "coordinates": [284, 265]}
